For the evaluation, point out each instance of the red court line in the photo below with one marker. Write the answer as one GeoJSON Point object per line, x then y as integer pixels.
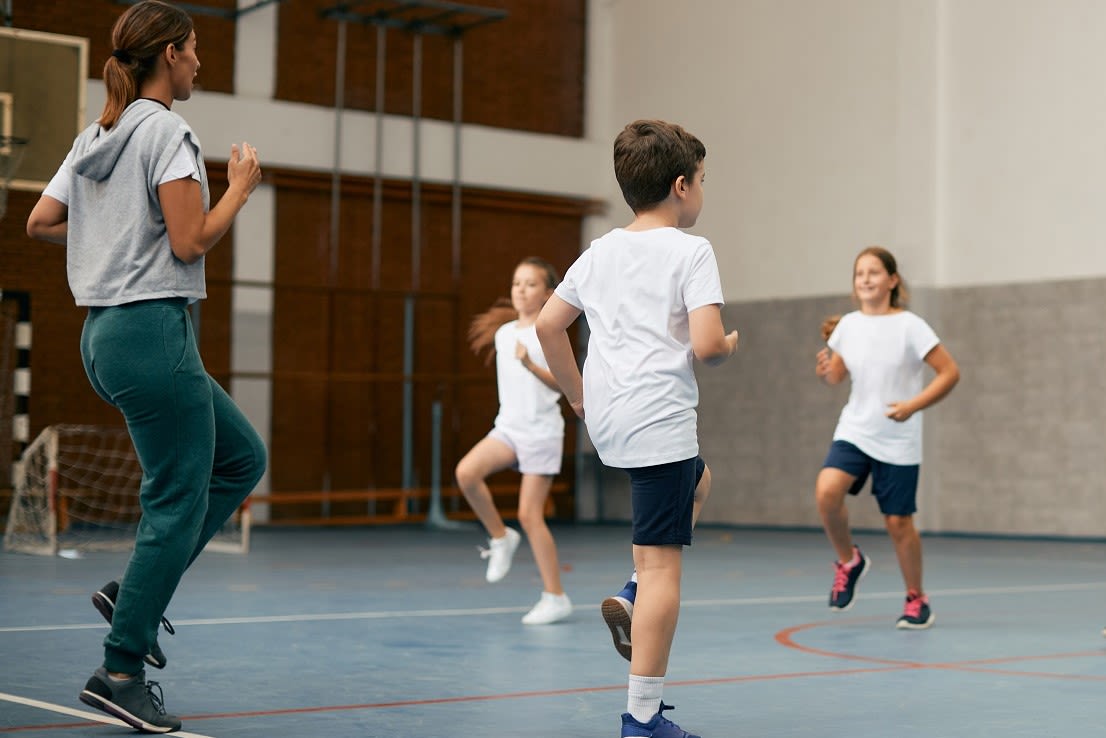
{"type": "Point", "coordinates": [478, 698]}
{"type": "Point", "coordinates": [1012, 672]}
{"type": "Point", "coordinates": [785, 638]}
{"type": "Point", "coordinates": [54, 726]}
{"type": "Point", "coordinates": [1040, 657]}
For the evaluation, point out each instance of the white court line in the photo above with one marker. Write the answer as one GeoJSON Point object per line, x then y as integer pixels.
{"type": "Point", "coordinates": [84, 714]}
{"type": "Point", "coordinates": [305, 618]}
{"type": "Point", "coordinates": [973, 592]}
{"type": "Point", "coordinates": [466, 612]}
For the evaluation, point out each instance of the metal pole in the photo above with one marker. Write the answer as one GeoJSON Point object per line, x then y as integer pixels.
{"type": "Point", "coordinates": [408, 391]}
{"type": "Point", "coordinates": [336, 169]}
{"type": "Point", "coordinates": [378, 181]}
{"type": "Point", "coordinates": [335, 227]}
{"type": "Point", "coordinates": [458, 81]}
{"type": "Point", "coordinates": [416, 160]}
{"type": "Point", "coordinates": [416, 246]}
{"type": "Point", "coordinates": [435, 517]}
{"type": "Point", "coordinates": [378, 178]}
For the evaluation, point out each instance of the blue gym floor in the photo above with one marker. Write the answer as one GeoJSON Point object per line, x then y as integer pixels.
{"type": "Point", "coordinates": [394, 632]}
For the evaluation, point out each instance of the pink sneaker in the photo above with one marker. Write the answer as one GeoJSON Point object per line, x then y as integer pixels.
{"type": "Point", "coordinates": [916, 614]}
{"type": "Point", "coordinates": [844, 581]}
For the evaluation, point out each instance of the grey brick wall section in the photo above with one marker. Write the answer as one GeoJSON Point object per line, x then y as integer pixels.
{"type": "Point", "coordinates": [1018, 448]}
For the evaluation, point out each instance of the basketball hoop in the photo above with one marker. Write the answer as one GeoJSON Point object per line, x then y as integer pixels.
{"type": "Point", "coordinates": [11, 152]}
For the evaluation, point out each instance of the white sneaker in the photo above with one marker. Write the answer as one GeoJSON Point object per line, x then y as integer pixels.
{"type": "Point", "coordinates": [499, 553]}
{"type": "Point", "coordinates": [551, 608]}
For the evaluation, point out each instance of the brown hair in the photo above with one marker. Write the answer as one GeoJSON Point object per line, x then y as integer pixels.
{"type": "Point", "coordinates": [648, 157]}
{"type": "Point", "coordinates": [899, 295]}
{"type": "Point", "coordinates": [481, 335]}
{"type": "Point", "coordinates": [139, 37]}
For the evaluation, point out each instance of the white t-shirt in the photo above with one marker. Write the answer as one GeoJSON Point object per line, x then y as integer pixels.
{"type": "Point", "coordinates": [527, 406]}
{"type": "Point", "coordinates": [885, 356]}
{"type": "Point", "coordinates": [636, 289]}
{"type": "Point", "coordinates": [183, 165]}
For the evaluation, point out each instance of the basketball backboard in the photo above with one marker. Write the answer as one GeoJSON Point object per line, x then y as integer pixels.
{"type": "Point", "coordinates": [43, 78]}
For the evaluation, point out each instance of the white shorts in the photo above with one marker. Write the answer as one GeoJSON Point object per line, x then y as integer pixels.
{"type": "Point", "coordinates": [535, 456]}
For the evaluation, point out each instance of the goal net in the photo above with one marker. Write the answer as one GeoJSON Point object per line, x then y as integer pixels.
{"type": "Point", "coordinates": [76, 489]}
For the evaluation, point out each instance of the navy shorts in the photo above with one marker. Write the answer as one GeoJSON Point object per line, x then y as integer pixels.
{"type": "Point", "coordinates": [662, 497]}
{"type": "Point", "coordinates": [895, 487]}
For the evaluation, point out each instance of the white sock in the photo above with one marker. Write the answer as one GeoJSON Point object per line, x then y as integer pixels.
{"type": "Point", "coordinates": [633, 577]}
{"type": "Point", "coordinates": [643, 698]}
{"type": "Point", "coordinates": [855, 559]}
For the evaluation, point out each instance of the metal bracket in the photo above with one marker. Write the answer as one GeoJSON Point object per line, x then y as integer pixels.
{"type": "Point", "coordinates": [193, 9]}
{"type": "Point", "coordinates": [438, 17]}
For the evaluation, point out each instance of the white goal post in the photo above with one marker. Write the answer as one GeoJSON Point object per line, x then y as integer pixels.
{"type": "Point", "coordinates": [76, 489]}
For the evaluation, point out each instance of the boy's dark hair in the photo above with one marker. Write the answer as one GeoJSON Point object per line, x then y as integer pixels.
{"type": "Point", "coordinates": [648, 157]}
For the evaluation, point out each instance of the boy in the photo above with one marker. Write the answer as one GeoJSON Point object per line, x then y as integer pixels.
{"type": "Point", "coordinates": [653, 298]}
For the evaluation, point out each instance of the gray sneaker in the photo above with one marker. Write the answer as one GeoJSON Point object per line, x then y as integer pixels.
{"type": "Point", "coordinates": [104, 601]}
{"type": "Point", "coordinates": [136, 702]}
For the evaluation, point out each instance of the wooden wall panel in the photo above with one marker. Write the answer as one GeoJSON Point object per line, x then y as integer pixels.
{"type": "Point", "coordinates": [213, 317]}
{"type": "Point", "coordinates": [525, 72]}
{"type": "Point", "coordinates": [60, 391]}
{"type": "Point", "coordinates": [93, 19]}
{"type": "Point", "coordinates": [350, 335]}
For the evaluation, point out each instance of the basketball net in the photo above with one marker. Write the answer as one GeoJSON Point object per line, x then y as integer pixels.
{"type": "Point", "coordinates": [11, 152]}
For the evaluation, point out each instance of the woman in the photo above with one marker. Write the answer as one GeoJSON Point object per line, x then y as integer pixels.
{"type": "Point", "coordinates": [130, 203]}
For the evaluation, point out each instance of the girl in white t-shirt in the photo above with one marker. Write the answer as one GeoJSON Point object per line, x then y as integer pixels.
{"type": "Point", "coordinates": [883, 349]}
{"type": "Point", "coordinates": [528, 435]}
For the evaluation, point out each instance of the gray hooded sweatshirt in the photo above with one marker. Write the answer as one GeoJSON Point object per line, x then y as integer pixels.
{"type": "Point", "coordinates": [117, 248]}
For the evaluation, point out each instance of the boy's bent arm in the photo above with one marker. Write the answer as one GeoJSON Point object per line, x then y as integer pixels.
{"type": "Point", "coordinates": [709, 341]}
{"type": "Point", "coordinates": [552, 329]}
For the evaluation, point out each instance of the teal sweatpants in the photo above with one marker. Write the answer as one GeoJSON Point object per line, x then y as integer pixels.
{"type": "Point", "coordinates": [200, 456]}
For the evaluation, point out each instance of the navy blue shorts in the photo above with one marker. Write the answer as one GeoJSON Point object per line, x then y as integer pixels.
{"type": "Point", "coordinates": [662, 497]}
{"type": "Point", "coordinates": [895, 487]}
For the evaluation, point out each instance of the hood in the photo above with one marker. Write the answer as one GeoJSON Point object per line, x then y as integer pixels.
{"type": "Point", "coordinates": [96, 150]}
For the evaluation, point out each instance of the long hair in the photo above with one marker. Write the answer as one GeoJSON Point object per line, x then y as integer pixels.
{"type": "Point", "coordinates": [139, 37]}
{"type": "Point", "coordinates": [481, 335]}
{"type": "Point", "coordinates": [899, 295]}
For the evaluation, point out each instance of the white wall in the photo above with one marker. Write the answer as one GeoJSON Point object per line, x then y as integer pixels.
{"type": "Point", "coordinates": [818, 123]}
{"type": "Point", "coordinates": [1023, 120]}
{"type": "Point", "coordinates": [965, 135]}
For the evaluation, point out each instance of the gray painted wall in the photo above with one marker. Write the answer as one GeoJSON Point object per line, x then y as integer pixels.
{"type": "Point", "coordinates": [1017, 448]}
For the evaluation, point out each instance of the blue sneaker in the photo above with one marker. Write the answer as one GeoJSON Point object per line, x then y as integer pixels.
{"type": "Point", "coordinates": [845, 579]}
{"type": "Point", "coordinates": [658, 727]}
{"type": "Point", "coordinates": [618, 612]}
